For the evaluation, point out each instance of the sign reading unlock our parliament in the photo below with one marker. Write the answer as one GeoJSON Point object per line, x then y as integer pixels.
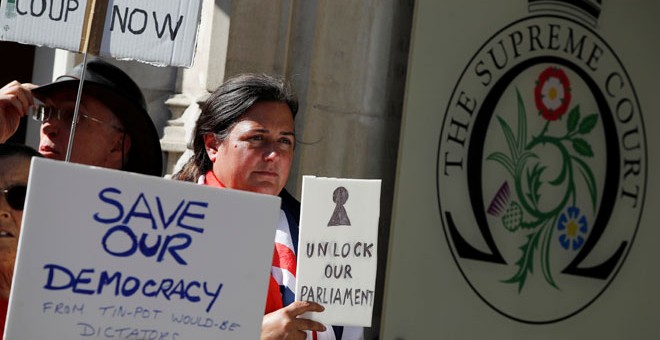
{"type": "Point", "coordinates": [162, 32]}
{"type": "Point", "coordinates": [337, 248]}
{"type": "Point", "coordinates": [109, 254]}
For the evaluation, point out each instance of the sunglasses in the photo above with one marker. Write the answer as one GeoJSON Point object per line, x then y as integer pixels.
{"type": "Point", "coordinates": [15, 196]}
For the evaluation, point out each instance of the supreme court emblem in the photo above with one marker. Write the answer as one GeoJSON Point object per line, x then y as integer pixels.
{"type": "Point", "coordinates": [542, 166]}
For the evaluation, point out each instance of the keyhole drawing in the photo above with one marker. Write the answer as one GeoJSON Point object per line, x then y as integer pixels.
{"type": "Point", "coordinates": [339, 216]}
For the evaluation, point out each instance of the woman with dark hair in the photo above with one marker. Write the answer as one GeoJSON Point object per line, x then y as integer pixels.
{"type": "Point", "coordinates": [14, 169]}
{"type": "Point", "coordinates": [225, 107]}
{"type": "Point", "coordinates": [244, 139]}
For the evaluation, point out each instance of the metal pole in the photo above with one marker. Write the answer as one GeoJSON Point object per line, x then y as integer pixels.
{"type": "Point", "coordinates": [74, 122]}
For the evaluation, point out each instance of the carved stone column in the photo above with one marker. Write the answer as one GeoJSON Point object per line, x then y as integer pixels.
{"type": "Point", "coordinates": [194, 84]}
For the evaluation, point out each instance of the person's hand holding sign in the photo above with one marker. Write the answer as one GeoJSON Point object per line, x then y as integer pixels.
{"type": "Point", "coordinates": [15, 100]}
{"type": "Point", "coordinates": [285, 324]}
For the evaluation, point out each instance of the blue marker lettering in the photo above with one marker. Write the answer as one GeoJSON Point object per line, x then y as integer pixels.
{"type": "Point", "coordinates": [173, 247]}
{"type": "Point", "coordinates": [128, 232]}
{"type": "Point", "coordinates": [192, 298]}
{"type": "Point", "coordinates": [61, 278]}
{"type": "Point", "coordinates": [146, 214]}
{"type": "Point", "coordinates": [130, 290]}
{"type": "Point", "coordinates": [50, 285]}
{"type": "Point", "coordinates": [106, 280]}
{"type": "Point", "coordinates": [103, 197]}
{"type": "Point", "coordinates": [146, 286]}
{"type": "Point", "coordinates": [80, 280]}
{"type": "Point", "coordinates": [214, 295]}
{"type": "Point", "coordinates": [170, 219]}
{"type": "Point", "coordinates": [187, 213]}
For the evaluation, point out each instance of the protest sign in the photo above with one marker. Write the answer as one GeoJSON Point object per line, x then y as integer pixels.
{"type": "Point", "coordinates": [161, 32]}
{"type": "Point", "coordinates": [110, 254]}
{"type": "Point", "coordinates": [337, 248]}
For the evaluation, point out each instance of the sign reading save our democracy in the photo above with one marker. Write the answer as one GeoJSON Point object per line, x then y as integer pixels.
{"type": "Point", "coordinates": [109, 254]}
{"type": "Point", "coordinates": [161, 32]}
{"type": "Point", "coordinates": [337, 248]}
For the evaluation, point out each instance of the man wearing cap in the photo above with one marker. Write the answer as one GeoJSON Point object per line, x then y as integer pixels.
{"type": "Point", "coordinates": [113, 129]}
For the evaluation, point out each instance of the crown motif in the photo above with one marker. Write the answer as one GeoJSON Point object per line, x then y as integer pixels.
{"type": "Point", "coordinates": [585, 10]}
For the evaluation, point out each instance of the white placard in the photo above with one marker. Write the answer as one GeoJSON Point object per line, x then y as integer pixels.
{"type": "Point", "coordinates": [52, 23]}
{"type": "Point", "coordinates": [109, 254]}
{"type": "Point", "coordinates": [337, 248]}
{"type": "Point", "coordinates": [161, 32]}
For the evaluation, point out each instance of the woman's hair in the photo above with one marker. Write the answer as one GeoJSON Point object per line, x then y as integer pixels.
{"type": "Point", "coordinates": [11, 149]}
{"type": "Point", "coordinates": [224, 108]}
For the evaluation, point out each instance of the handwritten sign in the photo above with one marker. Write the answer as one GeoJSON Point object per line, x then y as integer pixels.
{"type": "Point", "coordinates": [337, 248]}
{"type": "Point", "coordinates": [108, 254]}
{"type": "Point", "coordinates": [161, 32]}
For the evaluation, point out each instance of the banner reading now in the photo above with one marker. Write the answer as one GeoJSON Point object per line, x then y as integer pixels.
{"type": "Point", "coordinates": [161, 32]}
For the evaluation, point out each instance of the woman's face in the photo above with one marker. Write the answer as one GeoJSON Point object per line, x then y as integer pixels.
{"type": "Point", "coordinates": [256, 155]}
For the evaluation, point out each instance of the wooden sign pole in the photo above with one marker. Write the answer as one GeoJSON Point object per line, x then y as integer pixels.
{"type": "Point", "coordinates": [90, 42]}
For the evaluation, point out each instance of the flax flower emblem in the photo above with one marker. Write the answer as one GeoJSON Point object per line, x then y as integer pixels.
{"type": "Point", "coordinates": [573, 228]}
